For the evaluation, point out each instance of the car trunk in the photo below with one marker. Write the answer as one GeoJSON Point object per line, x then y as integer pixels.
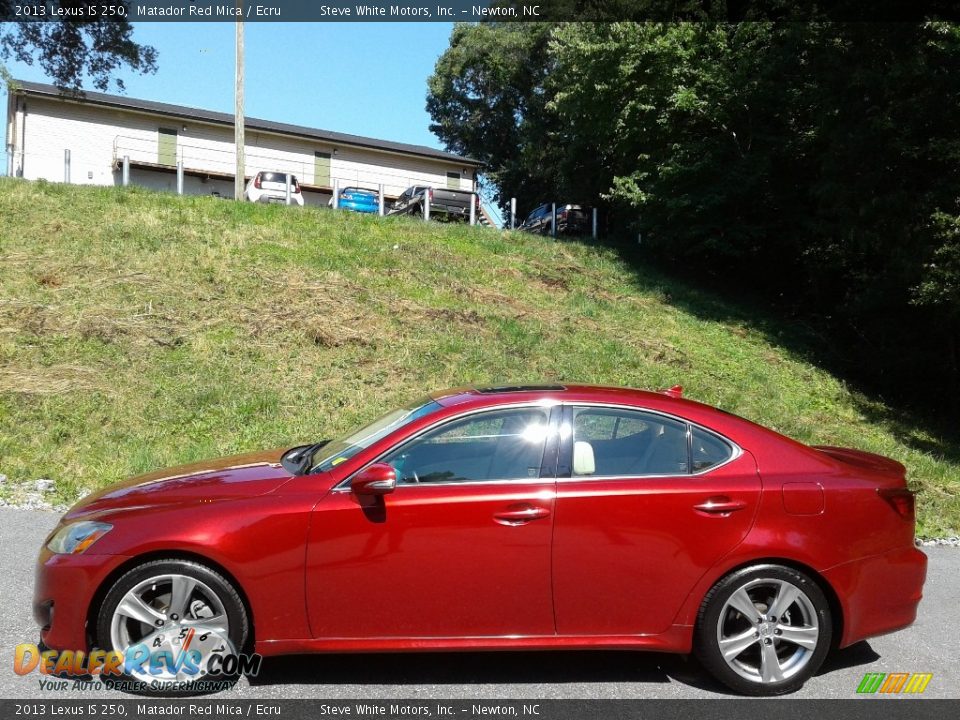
{"type": "Point", "coordinates": [892, 473]}
{"type": "Point", "coordinates": [890, 478]}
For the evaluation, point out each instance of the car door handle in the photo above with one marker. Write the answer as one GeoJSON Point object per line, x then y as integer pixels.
{"type": "Point", "coordinates": [520, 514]}
{"type": "Point", "coordinates": [720, 505]}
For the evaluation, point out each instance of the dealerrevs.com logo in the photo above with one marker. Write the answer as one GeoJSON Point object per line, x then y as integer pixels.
{"type": "Point", "coordinates": [894, 683]}
{"type": "Point", "coordinates": [191, 660]}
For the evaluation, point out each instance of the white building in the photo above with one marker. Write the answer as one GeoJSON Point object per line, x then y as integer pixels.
{"type": "Point", "coordinates": [100, 131]}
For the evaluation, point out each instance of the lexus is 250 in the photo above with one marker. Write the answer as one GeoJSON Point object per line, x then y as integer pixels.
{"type": "Point", "coordinates": [513, 517]}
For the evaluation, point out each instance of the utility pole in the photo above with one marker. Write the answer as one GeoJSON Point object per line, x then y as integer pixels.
{"type": "Point", "coordinates": [238, 123]}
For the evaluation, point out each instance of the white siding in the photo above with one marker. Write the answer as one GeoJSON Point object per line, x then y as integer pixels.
{"type": "Point", "coordinates": [98, 136]}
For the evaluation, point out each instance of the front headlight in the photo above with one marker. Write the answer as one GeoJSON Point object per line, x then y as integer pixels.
{"type": "Point", "coordinates": [77, 537]}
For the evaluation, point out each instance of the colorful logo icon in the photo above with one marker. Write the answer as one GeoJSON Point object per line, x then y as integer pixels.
{"type": "Point", "coordinates": [894, 683]}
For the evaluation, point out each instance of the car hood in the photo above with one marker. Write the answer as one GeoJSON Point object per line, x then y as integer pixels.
{"type": "Point", "coordinates": [210, 480]}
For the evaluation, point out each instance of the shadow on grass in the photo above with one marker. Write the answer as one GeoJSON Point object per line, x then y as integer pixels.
{"type": "Point", "coordinates": [914, 426]}
{"type": "Point", "coordinates": [926, 437]}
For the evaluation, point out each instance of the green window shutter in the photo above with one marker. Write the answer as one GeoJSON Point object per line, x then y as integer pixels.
{"type": "Point", "coordinates": [166, 146]}
{"type": "Point", "coordinates": [321, 169]}
{"type": "Point", "coordinates": [453, 180]}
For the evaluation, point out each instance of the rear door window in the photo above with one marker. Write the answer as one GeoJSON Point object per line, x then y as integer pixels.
{"type": "Point", "coordinates": [631, 443]}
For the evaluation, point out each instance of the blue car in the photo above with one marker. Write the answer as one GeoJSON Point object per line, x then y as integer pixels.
{"type": "Point", "coordinates": [358, 199]}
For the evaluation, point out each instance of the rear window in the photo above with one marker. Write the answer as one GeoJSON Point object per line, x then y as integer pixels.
{"type": "Point", "coordinates": [276, 177]}
{"type": "Point", "coordinates": [708, 450]}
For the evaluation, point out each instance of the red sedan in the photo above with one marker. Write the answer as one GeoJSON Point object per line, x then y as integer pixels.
{"type": "Point", "coordinates": [527, 517]}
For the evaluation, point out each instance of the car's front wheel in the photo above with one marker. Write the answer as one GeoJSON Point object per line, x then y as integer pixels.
{"type": "Point", "coordinates": [169, 618]}
{"type": "Point", "coordinates": [764, 630]}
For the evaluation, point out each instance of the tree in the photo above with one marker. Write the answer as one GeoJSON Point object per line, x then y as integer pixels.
{"type": "Point", "coordinates": [486, 100]}
{"type": "Point", "coordinates": [70, 49]}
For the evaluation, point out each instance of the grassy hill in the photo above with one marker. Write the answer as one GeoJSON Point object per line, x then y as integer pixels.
{"type": "Point", "coordinates": [139, 330]}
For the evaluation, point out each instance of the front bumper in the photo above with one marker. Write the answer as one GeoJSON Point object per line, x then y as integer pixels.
{"type": "Point", "coordinates": [879, 594]}
{"type": "Point", "coordinates": [64, 587]}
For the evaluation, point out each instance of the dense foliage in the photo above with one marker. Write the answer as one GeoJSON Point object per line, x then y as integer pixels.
{"type": "Point", "coordinates": [817, 163]}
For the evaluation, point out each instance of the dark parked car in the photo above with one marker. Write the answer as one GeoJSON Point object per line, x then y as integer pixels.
{"type": "Point", "coordinates": [445, 204]}
{"type": "Point", "coordinates": [511, 517]}
{"type": "Point", "coordinates": [571, 220]}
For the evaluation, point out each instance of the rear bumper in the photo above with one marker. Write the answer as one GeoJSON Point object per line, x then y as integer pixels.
{"type": "Point", "coordinates": [64, 587]}
{"type": "Point", "coordinates": [358, 207]}
{"type": "Point", "coordinates": [458, 211]}
{"type": "Point", "coordinates": [573, 228]}
{"type": "Point", "coordinates": [879, 594]}
{"type": "Point", "coordinates": [273, 197]}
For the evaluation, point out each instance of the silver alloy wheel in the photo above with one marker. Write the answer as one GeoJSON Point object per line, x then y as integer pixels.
{"type": "Point", "coordinates": [767, 631]}
{"type": "Point", "coordinates": [160, 612]}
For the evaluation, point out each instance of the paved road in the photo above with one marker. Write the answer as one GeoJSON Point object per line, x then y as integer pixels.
{"type": "Point", "coordinates": [930, 645]}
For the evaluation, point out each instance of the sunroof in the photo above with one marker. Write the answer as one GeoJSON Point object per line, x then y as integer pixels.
{"type": "Point", "coordinates": [518, 388]}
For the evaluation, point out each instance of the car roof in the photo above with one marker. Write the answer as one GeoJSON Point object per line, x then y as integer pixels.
{"type": "Point", "coordinates": [669, 401]}
{"type": "Point", "coordinates": [562, 392]}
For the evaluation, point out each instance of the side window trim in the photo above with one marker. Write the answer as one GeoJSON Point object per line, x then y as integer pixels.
{"type": "Point", "coordinates": [552, 447]}
{"type": "Point", "coordinates": [565, 461]}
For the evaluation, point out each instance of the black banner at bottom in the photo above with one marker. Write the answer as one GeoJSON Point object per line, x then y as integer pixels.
{"type": "Point", "coordinates": [854, 709]}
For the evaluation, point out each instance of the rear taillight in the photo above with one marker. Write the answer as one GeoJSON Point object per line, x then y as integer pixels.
{"type": "Point", "coordinates": [900, 499]}
{"type": "Point", "coordinates": [296, 187]}
{"type": "Point", "coordinates": [431, 194]}
{"type": "Point", "coordinates": [256, 181]}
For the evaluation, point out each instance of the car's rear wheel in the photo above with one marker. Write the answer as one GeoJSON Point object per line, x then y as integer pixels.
{"type": "Point", "coordinates": [764, 630]}
{"type": "Point", "coordinates": [178, 607]}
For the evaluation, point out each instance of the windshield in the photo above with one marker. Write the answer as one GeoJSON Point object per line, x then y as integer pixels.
{"type": "Point", "coordinates": [343, 449]}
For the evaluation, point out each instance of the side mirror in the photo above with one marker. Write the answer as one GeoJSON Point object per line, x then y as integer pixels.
{"type": "Point", "coordinates": [378, 479]}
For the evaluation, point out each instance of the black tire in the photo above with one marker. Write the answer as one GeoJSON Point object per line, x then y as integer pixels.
{"type": "Point", "coordinates": [226, 593]}
{"type": "Point", "coordinates": [768, 664]}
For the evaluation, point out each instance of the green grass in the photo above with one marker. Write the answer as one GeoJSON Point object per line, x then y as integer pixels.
{"type": "Point", "coordinates": [139, 330]}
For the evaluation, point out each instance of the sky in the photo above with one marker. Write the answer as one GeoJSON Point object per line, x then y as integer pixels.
{"type": "Point", "coordinates": [360, 78]}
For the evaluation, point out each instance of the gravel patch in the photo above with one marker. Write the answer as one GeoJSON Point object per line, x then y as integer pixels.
{"type": "Point", "coordinates": [32, 501]}
{"type": "Point", "coordinates": [942, 542]}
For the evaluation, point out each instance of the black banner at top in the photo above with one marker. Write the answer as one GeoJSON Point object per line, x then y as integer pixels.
{"type": "Point", "coordinates": [476, 10]}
